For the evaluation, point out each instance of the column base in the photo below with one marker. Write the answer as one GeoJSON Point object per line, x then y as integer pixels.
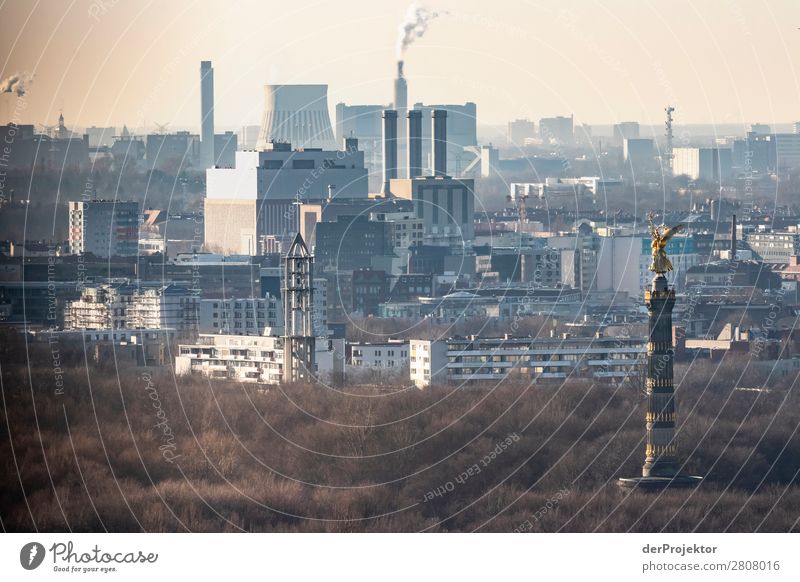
{"type": "Point", "coordinates": [659, 483]}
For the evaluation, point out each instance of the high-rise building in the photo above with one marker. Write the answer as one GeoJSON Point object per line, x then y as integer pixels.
{"type": "Point", "coordinates": [105, 228]}
{"type": "Point", "coordinates": [519, 131]}
{"type": "Point", "coordinates": [556, 130]}
{"type": "Point", "coordinates": [708, 164]}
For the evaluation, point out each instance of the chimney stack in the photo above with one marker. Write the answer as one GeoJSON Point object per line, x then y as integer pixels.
{"type": "Point", "coordinates": [389, 148]}
{"type": "Point", "coordinates": [414, 143]}
{"type": "Point", "coordinates": [207, 113]}
{"type": "Point", "coordinates": [439, 145]}
{"type": "Point", "coordinates": [733, 237]}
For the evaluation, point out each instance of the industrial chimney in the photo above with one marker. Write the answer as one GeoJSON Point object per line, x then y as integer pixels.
{"type": "Point", "coordinates": [439, 144]}
{"type": "Point", "coordinates": [389, 148]}
{"type": "Point", "coordinates": [401, 105]}
{"type": "Point", "coordinates": [414, 143]}
{"type": "Point", "coordinates": [733, 238]}
{"type": "Point", "coordinates": [207, 113]}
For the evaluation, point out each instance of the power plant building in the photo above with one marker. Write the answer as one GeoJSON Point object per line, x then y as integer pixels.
{"type": "Point", "coordinates": [261, 195]}
{"type": "Point", "coordinates": [296, 114]}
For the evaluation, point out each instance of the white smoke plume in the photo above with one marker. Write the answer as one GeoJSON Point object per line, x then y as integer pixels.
{"type": "Point", "coordinates": [16, 83]}
{"type": "Point", "coordinates": [414, 26]}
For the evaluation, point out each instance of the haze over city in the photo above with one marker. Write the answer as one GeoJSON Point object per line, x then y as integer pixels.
{"type": "Point", "coordinates": [114, 63]}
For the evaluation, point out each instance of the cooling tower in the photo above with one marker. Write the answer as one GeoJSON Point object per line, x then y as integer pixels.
{"type": "Point", "coordinates": [297, 114]}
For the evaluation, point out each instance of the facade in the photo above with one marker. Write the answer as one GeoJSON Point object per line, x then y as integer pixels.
{"type": "Point", "coordinates": [405, 228]}
{"type": "Point", "coordinates": [105, 228]}
{"type": "Point", "coordinates": [126, 306]}
{"type": "Point", "coordinates": [625, 131]}
{"type": "Point", "coordinates": [248, 316]}
{"type": "Point", "coordinates": [351, 242]}
{"type": "Point", "coordinates": [708, 164]}
{"type": "Point", "coordinates": [446, 206]}
{"type": "Point", "coordinates": [253, 359]}
{"type": "Point", "coordinates": [172, 153]}
{"type": "Point", "coordinates": [520, 131]}
{"type": "Point", "coordinates": [775, 246]}
{"type": "Point", "coordinates": [639, 152]}
{"type": "Point", "coordinates": [391, 355]}
{"type": "Point", "coordinates": [557, 130]}
{"type": "Point", "coordinates": [461, 360]}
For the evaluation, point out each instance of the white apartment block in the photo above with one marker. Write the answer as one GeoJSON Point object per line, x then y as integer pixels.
{"type": "Point", "coordinates": [391, 355]}
{"type": "Point", "coordinates": [256, 359]}
{"type": "Point", "coordinates": [240, 316]}
{"type": "Point", "coordinates": [462, 360]}
{"type": "Point", "coordinates": [127, 306]}
{"type": "Point", "coordinates": [406, 229]}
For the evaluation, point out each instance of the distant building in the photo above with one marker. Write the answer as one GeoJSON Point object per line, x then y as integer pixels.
{"type": "Point", "coordinates": [253, 359]}
{"type": "Point", "coordinates": [463, 360]}
{"type": "Point", "coordinates": [172, 153]}
{"type": "Point", "coordinates": [225, 146]}
{"type": "Point", "coordinates": [260, 196]}
{"type": "Point", "coordinates": [625, 131]}
{"type": "Point", "coordinates": [351, 242]}
{"type": "Point", "coordinates": [391, 356]}
{"type": "Point", "coordinates": [445, 205]}
{"type": "Point", "coordinates": [370, 289]}
{"type": "Point", "coordinates": [101, 136]}
{"type": "Point", "coordinates": [777, 246]}
{"type": "Point", "coordinates": [240, 316]}
{"type": "Point", "coordinates": [557, 130]}
{"type": "Point", "coordinates": [639, 152]}
{"type": "Point", "coordinates": [520, 131]}
{"type": "Point", "coordinates": [127, 306]}
{"type": "Point", "coordinates": [105, 228]}
{"type": "Point", "coordinates": [708, 164]}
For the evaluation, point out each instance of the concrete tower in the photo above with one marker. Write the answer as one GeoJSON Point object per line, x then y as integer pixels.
{"type": "Point", "coordinates": [661, 466]}
{"type": "Point", "coordinates": [439, 142]}
{"type": "Point", "coordinates": [297, 114]}
{"type": "Point", "coordinates": [207, 113]}
{"type": "Point", "coordinates": [389, 148]}
{"type": "Point", "coordinates": [414, 143]}
{"type": "Point", "coordinates": [298, 313]}
{"type": "Point", "coordinates": [401, 105]}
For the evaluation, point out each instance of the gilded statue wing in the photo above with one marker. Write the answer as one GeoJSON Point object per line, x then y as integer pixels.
{"type": "Point", "coordinates": [670, 232]}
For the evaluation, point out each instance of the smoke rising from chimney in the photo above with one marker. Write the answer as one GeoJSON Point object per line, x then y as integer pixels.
{"type": "Point", "coordinates": [16, 83]}
{"type": "Point", "coordinates": [413, 27]}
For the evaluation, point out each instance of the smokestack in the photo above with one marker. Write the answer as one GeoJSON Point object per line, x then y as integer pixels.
{"type": "Point", "coordinates": [389, 148]}
{"type": "Point", "coordinates": [414, 143]}
{"type": "Point", "coordinates": [733, 237]}
{"type": "Point", "coordinates": [207, 113]}
{"type": "Point", "coordinates": [439, 145]}
{"type": "Point", "coordinates": [401, 105]}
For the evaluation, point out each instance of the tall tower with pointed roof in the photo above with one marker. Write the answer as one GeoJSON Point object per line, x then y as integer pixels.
{"type": "Point", "coordinates": [298, 316]}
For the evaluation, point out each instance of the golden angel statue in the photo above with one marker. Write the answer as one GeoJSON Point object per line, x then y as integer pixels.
{"type": "Point", "coordinates": [661, 235]}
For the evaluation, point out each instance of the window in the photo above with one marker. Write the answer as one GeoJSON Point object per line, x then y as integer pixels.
{"type": "Point", "coordinates": [303, 164]}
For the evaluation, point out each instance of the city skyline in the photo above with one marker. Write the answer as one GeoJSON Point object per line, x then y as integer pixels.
{"type": "Point", "coordinates": [99, 62]}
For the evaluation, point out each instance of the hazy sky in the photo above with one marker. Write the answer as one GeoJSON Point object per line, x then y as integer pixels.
{"type": "Point", "coordinates": [108, 62]}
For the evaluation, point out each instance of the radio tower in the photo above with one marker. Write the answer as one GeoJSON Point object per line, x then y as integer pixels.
{"type": "Point", "coordinates": [668, 149]}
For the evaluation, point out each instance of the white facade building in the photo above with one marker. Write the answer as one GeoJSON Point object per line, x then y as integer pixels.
{"type": "Point", "coordinates": [253, 359]}
{"type": "Point", "coordinates": [461, 360]}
